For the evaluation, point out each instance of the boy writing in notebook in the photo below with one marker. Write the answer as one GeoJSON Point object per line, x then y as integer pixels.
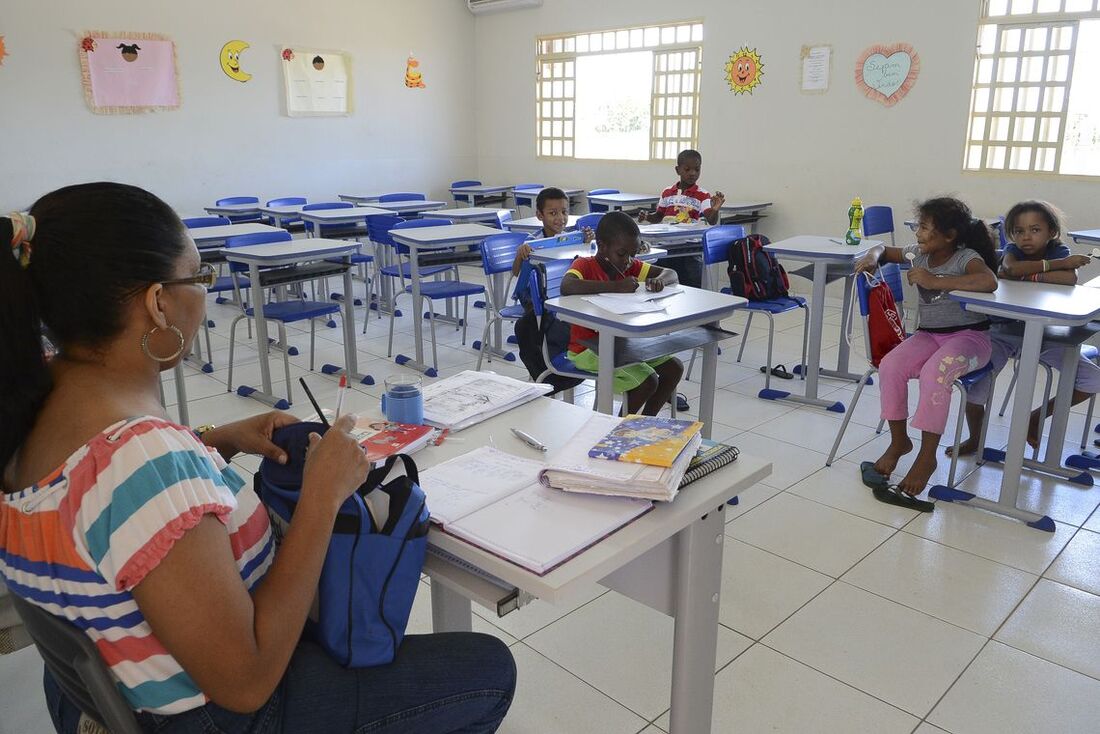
{"type": "Point", "coordinates": [648, 385]}
{"type": "Point", "coordinates": [552, 209]}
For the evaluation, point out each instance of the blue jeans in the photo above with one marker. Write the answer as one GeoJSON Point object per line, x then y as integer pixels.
{"type": "Point", "coordinates": [450, 682]}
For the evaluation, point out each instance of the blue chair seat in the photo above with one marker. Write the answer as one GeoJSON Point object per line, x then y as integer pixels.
{"type": "Point", "coordinates": [563, 364]}
{"type": "Point", "coordinates": [515, 311]}
{"type": "Point", "coordinates": [777, 305]}
{"type": "Point", "coordinates": [225, 283]}
{"type": "Point", "coordinates": [291, 311]}
{"type": "Point", "coordinates": [1090, 352]}
{"type": "Point", "coordinates": [447, 289]}
{"type": "Point", "coordinates": [970, 378]}
{"type": "Point", "coordinates": [405, 270]}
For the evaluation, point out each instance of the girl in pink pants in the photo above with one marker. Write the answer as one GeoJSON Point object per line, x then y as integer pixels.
{"type": "Point", "coordinates": [954, 251]}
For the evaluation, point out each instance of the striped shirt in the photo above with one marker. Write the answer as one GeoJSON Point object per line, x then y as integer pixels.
{"type": "Point", "coordinates": [79, 541]}
{"type": "Point", "coordinates": [683, 205]}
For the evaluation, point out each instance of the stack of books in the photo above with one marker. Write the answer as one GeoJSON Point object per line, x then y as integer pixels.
{"type": "Point", "coordinates": [637, 456]}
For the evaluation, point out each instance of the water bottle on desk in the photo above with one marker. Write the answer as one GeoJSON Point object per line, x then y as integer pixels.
{"type": "Point", "coordinates": [855, 221]}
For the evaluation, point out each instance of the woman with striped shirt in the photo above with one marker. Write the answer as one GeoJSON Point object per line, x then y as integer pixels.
{"type": "Point", "coordinates": [137, 531]}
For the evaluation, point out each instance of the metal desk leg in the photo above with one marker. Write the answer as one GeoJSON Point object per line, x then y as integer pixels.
{"type": "Point", "coordinates": [351, 357]}
{"type": "Point", "coordinates": [264, 394]}
{"type": "Point", "coordinates": [1017, 442]}
{"type": "Point", "coordinates": [605, 378]}
{"type": "Point", "coordinates": [844, 349]}
{"type": "Point", "coordinates": [450, 609]}
{"type": "Point", "coordinates": [706, 387]}
{"type": "Point", "coordinates": [495, 347]}
{"type": "Point", "coordinates": [418, 327]}
{"type": "Point", "coordinates": [813, 351]}
{"type": "Point", "coordinates": [698, 584]}
{"type": "Point", "coordinates": [181, 395]}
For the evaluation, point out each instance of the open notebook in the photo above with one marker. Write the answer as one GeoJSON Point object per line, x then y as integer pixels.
{"type": "Point", "coordinates": [494, 500]}
{"type": "Point", "coordinates": [470, 397]}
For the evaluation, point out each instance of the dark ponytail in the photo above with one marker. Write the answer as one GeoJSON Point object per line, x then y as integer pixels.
{"type": "Point", "coordinates": [947, 213]}
{"type": "Point", "coordinates": [94, 247]}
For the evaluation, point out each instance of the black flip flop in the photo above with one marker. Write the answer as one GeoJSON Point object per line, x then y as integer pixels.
{"type": "Point", "coordinates": [888, 493]}
{"type": "Point", "coordinates": [780, 371]}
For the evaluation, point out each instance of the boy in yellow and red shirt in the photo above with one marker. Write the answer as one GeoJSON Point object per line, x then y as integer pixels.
{"type": "Point", "coordinates": [614, 269]}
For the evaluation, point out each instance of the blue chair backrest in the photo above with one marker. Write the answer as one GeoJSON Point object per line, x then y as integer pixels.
{"type": "Point", "coordinates": [589, 220]}
{"type": "Point", "coordinates": [198, 222]}
{"type": "Point", "coordinates": [260, 238]}
{"type": "Point", "coordinates": [402, 196]}
{"type": "Point", "coordinates": [379, 226]}
{"type": "Point", "coordinates": [460, 184]}
{"type": "Point", "coordinates": [717, 241]}
{"type": "Point", "coordinates": [555, 271]}
{"type": "Point", "coordinates": [599, 207]}
{"type": "Point", "coordinates": [521, 187]}
{"type": "Point", "coordinates": [237, 200]}
{"type": "Point", "coordinates": [1001, 231]}
{"type": "Point", "coordinates": [498, 251]}
{"type": "Point", "coordinates": [890, 274]}
{"type": "Point", "coordinates": [287, 201]}
{"type": "Point", "coordinates": [327, 205]}
{"type": "Point", "coordinates": [414, 223]}
{"type": "Point", "coordinates": [503, 217]}
{"type": "Point", "coordinates": [878, 220]}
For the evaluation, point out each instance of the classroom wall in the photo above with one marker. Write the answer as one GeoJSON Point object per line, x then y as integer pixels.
{"type": "Point", "coordinates": [809, 154]}
{"type": "Point", "coordinates": [232, 138]}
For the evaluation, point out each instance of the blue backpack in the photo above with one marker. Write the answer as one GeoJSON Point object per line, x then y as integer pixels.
{"type": "Point", "coordinates": [371, 573]}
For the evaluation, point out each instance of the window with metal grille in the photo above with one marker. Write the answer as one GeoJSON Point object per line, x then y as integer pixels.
{"type": "Point", "coordinates": [623, 94]}
{"type": "Point", "coordinates": [1035, 105]}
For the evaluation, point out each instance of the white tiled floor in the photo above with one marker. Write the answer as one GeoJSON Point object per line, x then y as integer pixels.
{"type": "Point", "coordinates": [838, 614]}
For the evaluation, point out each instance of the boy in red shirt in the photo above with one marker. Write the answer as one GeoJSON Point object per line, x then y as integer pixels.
{"type": "Point", "coordinates": [648, 385]}
{"type": "Point", "coordinates": [684, 201]}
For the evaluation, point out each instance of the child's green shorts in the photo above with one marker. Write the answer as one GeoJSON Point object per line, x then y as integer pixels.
{"type": "Point", "coordinates": [626, 378]}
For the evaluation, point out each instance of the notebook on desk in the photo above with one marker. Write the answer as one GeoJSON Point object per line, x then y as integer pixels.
{"type": "Point", "coordinates": [494, 500]}
{"type": "Point", "coordinates": [470, 397]}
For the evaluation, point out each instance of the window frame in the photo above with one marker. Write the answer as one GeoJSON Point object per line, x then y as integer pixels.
{"type": "Point", "coordinates": [558, 126]}
{"type": "Point", "coordinates": [999, 15]}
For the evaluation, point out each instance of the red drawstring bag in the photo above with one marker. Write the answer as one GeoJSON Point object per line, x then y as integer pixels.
{"type": "Point", "coordinates": [884, 326]}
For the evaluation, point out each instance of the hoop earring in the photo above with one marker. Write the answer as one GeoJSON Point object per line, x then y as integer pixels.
{"type": "Point", "coordinates": [155, 358]}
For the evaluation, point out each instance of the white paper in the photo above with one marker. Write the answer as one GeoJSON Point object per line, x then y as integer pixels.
{"type": "Point", "coordinates": [623, 306]}
{"type": "Point", "coordinates": [470, 397]}
{"type": "Point", "coordinates": [469, 482]}
{"type": "Point", "coordinates": [815, 68]}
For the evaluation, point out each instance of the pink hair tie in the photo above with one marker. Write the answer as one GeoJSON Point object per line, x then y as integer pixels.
{"type": "Point", "coordinates": [22, 226]}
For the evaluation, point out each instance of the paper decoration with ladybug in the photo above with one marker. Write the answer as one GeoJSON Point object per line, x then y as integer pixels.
{"type": "Point", "coordinates": [128, 73]}
{"type": "Point", "coordinates": [317, 82]}
{"type": "Point", "coordinates": [744, 70]}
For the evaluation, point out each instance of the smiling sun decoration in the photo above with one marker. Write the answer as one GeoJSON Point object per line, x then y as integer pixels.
{"type": "Point", "coordinates": [743, 70]}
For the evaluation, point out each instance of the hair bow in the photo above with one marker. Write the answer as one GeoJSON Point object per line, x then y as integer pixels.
{"type": "Point", "coordinates": [22, 232]}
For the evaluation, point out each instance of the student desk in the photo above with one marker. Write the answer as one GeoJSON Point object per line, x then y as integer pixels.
{"type": "Point", "coordinates": [669, 559]}
{"type": "Point", "coordinates": [212, 238]}
{"type": "Point", "coordinates": [571, 252]}
{"type": "Point", "coordinates": [282, 214]}
{"type": "Point", "coordinates": [994, 222]}
{"type": "Point", "coordinates": [479, 193]}
{"type": "Point", "coordinates": [615, 202]}
{"type": "Point", "coordinates": [532, 194]}
{"type": "Point", "coordinates": [484, 215]}
{"type": "Point", "coordinates": [1037, 305]}
{"type": "Point", "coordinates": [736, 212]}
{"type": "Point", "coordinates": [409, 206]}
{"type": "Point", "coordinates": [670, 235]}
{"type": "Point", "coordinates": [367, 198]}
{"type": "Point", "coordinates": [532, 225]}
{"type": "Point", "coordinates": [356, 215]}
{"type": "Point", "coordinates": [1086, 236]}
{"type": "Point", "coordinates": [293, 253]}
{"type": "Point", "coordinates": [419, 239]}
{"type": "Point", "coordinates": [690, 320]}
{"type": "Point", "coordinates": [234, 210]}
{"type": "Point", "coordinates": [821, 251]}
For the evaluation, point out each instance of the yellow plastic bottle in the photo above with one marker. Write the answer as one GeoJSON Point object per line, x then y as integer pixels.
{"type": "Point", "coordinates": [855, 222]}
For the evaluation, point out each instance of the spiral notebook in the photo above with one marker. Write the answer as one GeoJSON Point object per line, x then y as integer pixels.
{"type": "Point", "coordinates": [710, 457]}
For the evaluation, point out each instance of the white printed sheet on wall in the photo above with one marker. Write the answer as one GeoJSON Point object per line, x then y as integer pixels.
{"type": "Point", "coordinates": [317, 82]}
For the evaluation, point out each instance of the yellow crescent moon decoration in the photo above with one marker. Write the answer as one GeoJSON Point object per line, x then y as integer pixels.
{"type": "Point", "coordinates": [230, 60]}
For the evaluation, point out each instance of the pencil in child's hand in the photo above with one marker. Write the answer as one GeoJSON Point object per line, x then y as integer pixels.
{"type": "Point", "coordinates": [340, 392]}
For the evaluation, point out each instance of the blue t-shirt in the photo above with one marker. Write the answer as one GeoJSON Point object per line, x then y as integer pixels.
{"type": "Point", "coordinates": [1055, 250]}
